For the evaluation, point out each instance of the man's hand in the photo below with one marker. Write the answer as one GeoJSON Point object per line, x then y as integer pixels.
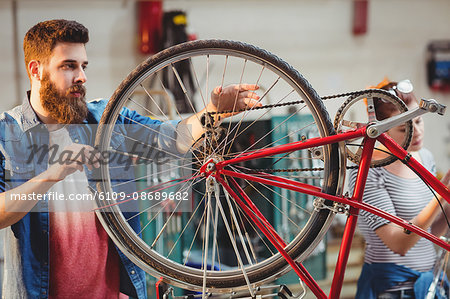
{"type": "Point", "coordinates": [73, 158]}
{"type": "Point", "coordinates": [234, 98]}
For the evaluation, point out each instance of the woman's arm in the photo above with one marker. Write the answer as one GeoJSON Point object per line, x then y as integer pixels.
{"type": "Point", "coordinates": [394, 236]}
{"type": "Point", "coordinates": [440, 225]}
{"type": "Point", "coordinates": [431, 216]}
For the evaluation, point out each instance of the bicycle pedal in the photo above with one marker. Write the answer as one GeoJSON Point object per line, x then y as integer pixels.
{"type": "Point", "coordinates": [432, 106]}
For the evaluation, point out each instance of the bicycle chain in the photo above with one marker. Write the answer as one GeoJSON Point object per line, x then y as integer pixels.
{"type": "Point", "coordinates": [293, 103]}
{"type": "Point", "coordinates": [348, 94]}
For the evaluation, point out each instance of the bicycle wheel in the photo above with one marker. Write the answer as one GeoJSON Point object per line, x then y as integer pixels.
{"type": "Point", "coordinates": [210, 243]}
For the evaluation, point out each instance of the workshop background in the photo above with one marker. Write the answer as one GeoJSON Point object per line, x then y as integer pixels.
{"type": "Point", "coordinates": [338, 45]}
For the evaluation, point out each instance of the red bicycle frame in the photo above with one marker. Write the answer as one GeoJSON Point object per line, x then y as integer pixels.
{"type": "Point", "coordinates": [355, 201]}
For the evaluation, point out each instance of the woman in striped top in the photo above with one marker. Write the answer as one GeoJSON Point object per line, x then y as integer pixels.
{"type": "Point", "coordinates": [395, 259]}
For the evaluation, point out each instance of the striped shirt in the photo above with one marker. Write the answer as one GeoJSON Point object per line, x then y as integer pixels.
{"type": "Point", "coordinates": [403, 197]}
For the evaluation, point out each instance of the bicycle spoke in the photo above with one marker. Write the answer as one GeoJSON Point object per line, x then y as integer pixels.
{"type": "Point", "coordinates": [153, 101]}
{"type": "Point", "coordinates": [185, 227]}
{"type": "Point", "coordinates": [167, 221]}
{"type": "Point", "coordinates": [235, 100]}
{"type": "Point", "coordinates": [195, 236]}
{"type": "Point", "coordinates": [236, 128]}
{"type": "Point", "coordinates": [216, 220]}
{"type": "Point", "coordinates": [233, 242]}
{"type": "Point", "coordinates": [183, 87]}
{"type": "Point", "coordinates": [140, 178]}
{"type": "Point", "coordinates": [241, 238]}
{"type": "Point", "coordinates": [187, 96]}
{"type": "Point", "coordinates": [137, 157]}
{"type": "Point", "coordinates": [148, 145]}
{"type": "Point", "coordinates": [250, 222]}
{"type": "Point", "coordinates": [206, 238]}
{"type": "Point", "coordinates": [248, 111]}
{"type": "Point", "coordinates": [241, 222]}
{"type": "Point", "coordinates": [171, 182]}
{"type": "Point", "coordinates": [265, 135]}
{"type": "Point", "coordinates": [282, 196]}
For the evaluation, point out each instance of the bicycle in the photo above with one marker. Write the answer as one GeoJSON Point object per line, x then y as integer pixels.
{"type": "Point", "coordinates": [262, 192]}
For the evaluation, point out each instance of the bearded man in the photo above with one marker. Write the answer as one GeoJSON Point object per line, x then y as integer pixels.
{"type": "Point", "coordinates": [59, 254]}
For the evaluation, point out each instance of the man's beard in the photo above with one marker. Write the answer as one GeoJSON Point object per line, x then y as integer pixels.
{"type": "Point", "coordinates": [61, 106]}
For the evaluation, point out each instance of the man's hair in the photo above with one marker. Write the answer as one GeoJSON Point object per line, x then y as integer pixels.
{"type": "Point", "coordinates": [42, 38]}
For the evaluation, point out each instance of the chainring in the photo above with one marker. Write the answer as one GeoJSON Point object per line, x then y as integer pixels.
{"type": "Point", "coordinates": [358, 111]}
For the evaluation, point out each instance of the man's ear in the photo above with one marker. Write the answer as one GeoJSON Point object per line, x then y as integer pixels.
{"type": "Point", "coordinates": [34, 69]}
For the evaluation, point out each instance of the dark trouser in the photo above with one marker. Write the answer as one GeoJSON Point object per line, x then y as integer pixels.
{"type": "Point", "coordinates": [400, 294]}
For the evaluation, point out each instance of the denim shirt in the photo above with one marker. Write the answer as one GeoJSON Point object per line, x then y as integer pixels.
{"type": "Point", "coordinates": [26, 266]}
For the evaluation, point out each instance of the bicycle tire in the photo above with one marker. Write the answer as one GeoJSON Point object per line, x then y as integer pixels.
{"type": "Point", "coordinates": [318, 220]}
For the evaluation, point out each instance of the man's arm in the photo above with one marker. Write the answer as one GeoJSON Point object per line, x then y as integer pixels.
{"type": "Point", "coordinates": [12, 210]}
{"type": "Point", "coordinates": [230, 98]}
